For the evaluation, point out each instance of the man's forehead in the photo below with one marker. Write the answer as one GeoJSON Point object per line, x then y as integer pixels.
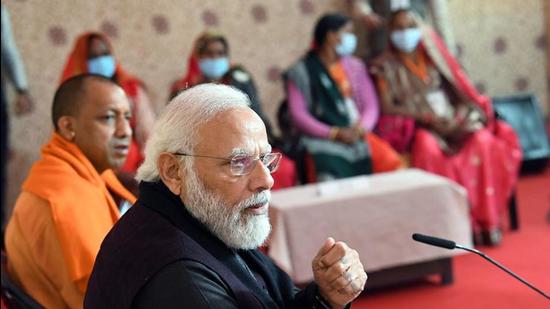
{"type": "Point", "coordinates": [236, 130]}
{"type": "Point", "coordinates": [104, 95]}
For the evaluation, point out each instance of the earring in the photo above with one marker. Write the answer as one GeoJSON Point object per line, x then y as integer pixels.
{"type": "Point", "coordinates": [72, 134]}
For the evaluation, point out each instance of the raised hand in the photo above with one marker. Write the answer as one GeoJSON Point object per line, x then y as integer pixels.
{"type": "Point", "coordinates": [339, 273]}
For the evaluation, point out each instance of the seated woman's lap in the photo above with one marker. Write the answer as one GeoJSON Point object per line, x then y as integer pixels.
{"type": "Point", "coordinates": [384, 157]}
{"type": "Point", "coordinates": [428, 155]}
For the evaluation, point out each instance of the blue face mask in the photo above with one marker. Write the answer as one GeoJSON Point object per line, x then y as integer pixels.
{"type": "Point", "coordinates": [347, 44]}
{"type": "Point", "coordinates": [406, 40]}
{"type": "Point", "coordinates": [102, 65]}
{"type": "Point", "coordinates": [214, 68]}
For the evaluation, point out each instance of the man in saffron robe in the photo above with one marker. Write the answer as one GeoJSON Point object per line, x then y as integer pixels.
{"type": "Point", "coordinates": [71, 197]}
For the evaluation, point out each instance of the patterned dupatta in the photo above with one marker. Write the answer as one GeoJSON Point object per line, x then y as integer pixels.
{"type": "Point", "coordinates": [410, 87]}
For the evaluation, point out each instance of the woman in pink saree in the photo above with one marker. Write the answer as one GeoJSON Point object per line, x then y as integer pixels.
{"type": "Point", "coordinates": [431, 110]}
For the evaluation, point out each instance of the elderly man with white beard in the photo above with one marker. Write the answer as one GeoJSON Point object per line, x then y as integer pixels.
{"type": "Point", "coordinates": [191, 239]}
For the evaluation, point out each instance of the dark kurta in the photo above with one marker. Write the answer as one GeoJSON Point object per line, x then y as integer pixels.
{"type": "Point", "coordinates": [159, 256]}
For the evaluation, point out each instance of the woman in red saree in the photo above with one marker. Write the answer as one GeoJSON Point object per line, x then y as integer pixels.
{"type": "Point", "coordinates": [431, 110]}
{"type": "Point", "coordinates": [209, 62]}
{"type": "Point", "coordinates": [93, 53]}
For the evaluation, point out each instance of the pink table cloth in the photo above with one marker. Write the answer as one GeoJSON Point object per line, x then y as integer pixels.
{"type": "Point", "coordinates": [376, 215]}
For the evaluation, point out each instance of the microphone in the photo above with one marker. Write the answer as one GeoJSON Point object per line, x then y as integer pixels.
{"type": "Point", "coordinates": [449, 244]}
{"type": "Point", "coordinates": [434, 241]}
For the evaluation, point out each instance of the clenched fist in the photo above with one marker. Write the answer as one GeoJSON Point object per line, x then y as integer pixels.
{"type": "Point", "coordinates": [339, 273]}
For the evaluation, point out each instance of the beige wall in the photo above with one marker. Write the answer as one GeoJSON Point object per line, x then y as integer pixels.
{"type": "Point", "coordinates": [504, 45]}
{"type": "Point", "coordinates": [152, 39]}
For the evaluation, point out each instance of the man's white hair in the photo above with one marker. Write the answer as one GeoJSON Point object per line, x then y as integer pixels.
{"type": "Point", "coordinates": [176, 128]}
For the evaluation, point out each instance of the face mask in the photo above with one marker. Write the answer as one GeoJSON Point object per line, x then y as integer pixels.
{"type": "Point", "coordinates": [406, 40]}
{"type": "Point", "coordinates": [214, 68]}
{"type": "Point", "coordinates": [103, 65]}
{"type": "Point", "coordinates": [347, 44]}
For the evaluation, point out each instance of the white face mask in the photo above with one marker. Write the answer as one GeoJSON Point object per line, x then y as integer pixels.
{"type": "Point", "coordinates": [103, 65]}
{"type": "Point", "coordinates": [406, 40]}
{"type": "Point", "coordinates": [214, 68]}
{"type": "Point", "coordinates": [348, 42]}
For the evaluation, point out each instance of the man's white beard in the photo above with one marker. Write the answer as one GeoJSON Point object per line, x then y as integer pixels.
{"type": "Point", "coordinates": [232, 224]}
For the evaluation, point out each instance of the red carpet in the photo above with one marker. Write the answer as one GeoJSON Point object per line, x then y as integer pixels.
{"type": "Point", "coordinates": [479, 284]}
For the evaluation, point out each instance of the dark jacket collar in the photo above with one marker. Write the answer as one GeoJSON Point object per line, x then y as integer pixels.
{"type": "Point", "coordinates": [157, 197]}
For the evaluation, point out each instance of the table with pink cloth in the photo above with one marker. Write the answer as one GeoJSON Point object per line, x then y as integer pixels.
{"type": "Point", "coordinates": [375, 214]}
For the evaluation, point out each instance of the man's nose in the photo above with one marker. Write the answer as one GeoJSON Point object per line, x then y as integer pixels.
{"type": "Point", "coordinates": [260, 178]}
{"type": "Point", "coordinates": [123, 128]}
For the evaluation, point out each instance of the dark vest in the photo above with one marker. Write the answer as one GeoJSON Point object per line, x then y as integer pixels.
{"type": "Point", "coordinates": [158, 231]}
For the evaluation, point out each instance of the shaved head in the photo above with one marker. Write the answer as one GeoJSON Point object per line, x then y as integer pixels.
{"type": "Point", "coordinates": [93, 113]}
{"type": "Point", "coordinates": [72, 92]}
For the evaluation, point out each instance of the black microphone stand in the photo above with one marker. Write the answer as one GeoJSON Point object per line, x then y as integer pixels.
{"type": "Point", "coordinates": [449, 244]}
{"type": "Point", "coordinates": [497, 264]}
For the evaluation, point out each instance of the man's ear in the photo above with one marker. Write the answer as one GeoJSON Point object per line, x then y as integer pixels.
{"type": "Point", "coordinates": [66, 127]}
{"type": "Point", "coordinates": [171, 172]}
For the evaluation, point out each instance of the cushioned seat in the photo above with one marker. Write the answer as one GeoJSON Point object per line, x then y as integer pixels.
{"type": "Point", "coordinates": [523, 113]}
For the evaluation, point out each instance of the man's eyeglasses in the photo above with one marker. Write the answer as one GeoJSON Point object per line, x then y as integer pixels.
{"type": "Point", "coordinates": [243, 164]}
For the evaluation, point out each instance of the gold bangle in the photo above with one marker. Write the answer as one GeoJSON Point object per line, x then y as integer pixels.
{"type": "Point", "coordinates": [361, 131]}
{"type": "Point", "coordinates": [333, 133]}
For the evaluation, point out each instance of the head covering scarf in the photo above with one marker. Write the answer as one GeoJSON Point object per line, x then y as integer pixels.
{"type": "Point", "coordinates": [194, 75]}
{"type": "Point", "coordinates": [77, 63]}
{"type": "Point", "coordinates": [440, 56]}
